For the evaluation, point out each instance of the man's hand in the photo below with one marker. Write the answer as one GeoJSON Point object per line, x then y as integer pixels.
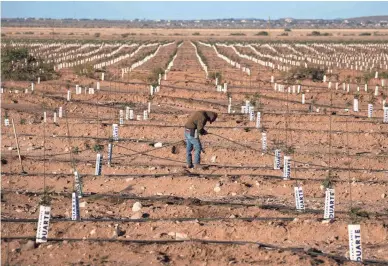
{"type": "Point", "coordinates": [203, 132]}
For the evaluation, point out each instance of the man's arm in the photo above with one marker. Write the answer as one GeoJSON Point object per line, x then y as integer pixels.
{"type": "Point", "coordinates": [201, 124]}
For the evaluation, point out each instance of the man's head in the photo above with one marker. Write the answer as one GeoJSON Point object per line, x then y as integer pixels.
{"type": "Point", "coordinates": [212, 116]}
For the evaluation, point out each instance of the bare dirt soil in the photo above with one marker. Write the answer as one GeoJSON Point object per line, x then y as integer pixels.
{"type": "Point", "coordinates": [238, 210]}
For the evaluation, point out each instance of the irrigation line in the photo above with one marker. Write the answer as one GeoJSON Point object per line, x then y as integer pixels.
{"type": "Point", "coordinates": [199, 175]}
{"type": "Point", "coordinates": [176, 200]}
{"type": "Point", "coordinates": [310, 252]}
{"type": "Point", "coordinates": [146, 220]}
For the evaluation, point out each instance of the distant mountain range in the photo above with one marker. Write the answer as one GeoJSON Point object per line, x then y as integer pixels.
{"type": "Point", "coordinates": [377, 22]}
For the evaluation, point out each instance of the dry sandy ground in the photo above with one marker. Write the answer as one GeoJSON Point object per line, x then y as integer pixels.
{"type": "Point", "coordinates": [185, 34]}
{"type": "Point", "coordinates": [191, 205]}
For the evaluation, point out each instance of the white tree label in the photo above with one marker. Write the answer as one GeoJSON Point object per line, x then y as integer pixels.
{"type": "Point", "coordinates": [75, 213]}
{"type": "Point", "coordinates": [6, 122]}
{"type": "Point", "coordinates": [329, 204]}
{"type": "Point", "coordinates": [276, 164]}
{"type": "Point", "coordinates": [115, 132]}
{"type": "Point", "coordinates": [43, 224]}
{"type": "Point", "coordinates": [287, 167]}
{"type": "Point", "coordinates": [77, 184]}
{"type": "Point", "coordinates": [98, 164]}
{"type": "Point", "coordinates": [299, 198]}
{"type": "Point", "coordinates": [110, 149]}
{"type": "Point", "coordinates": [264, 141]}
{"type": "Point", "coordinates": [251, 115]}
{"type": "Point", "coordinates": [121, 117]}
{"type": "Point", "coordinates": [60, 112]}
{"type": "Point", "coordinates": [355, 249]}
{"type": "Point", "coordinates": [145, 115]}
{"type": "Point", "coordinates": [258, 118]}
{"type": "Point", "coordinates": [370, 110]}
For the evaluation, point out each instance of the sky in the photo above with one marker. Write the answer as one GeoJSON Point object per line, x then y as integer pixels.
{"type": "Point", "coordinates": [191, 10]}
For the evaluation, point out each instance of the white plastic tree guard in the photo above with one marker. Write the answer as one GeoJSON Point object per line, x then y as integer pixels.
{"type": "Point", "coordinates": [149, 107]}
{"type": "Point", "coordinates": [258, 120]}
{"type": "Point", "coordinates": [121, 117]}
{"type": "Point", "coordinates": [303, 98]}
{"type": "Point", "coordinates": [98, 85]}
{"type": "Point", "coordinates": [77, 184]}
{"type": "Point", "coordinates": [127, 113]}
{"type": "Point", "coordinates": [6, 122]}
{"type": "Point", "coordinates": [38, 80]}
{"type": "Point", "coordinates": [60, 112]}
{"type": "Point", "coordinates": [44, 117]}
{"type": "Point", "coordinates": [355, 105]}
{"type": "Point", "coordinates": [145, 115]}
{"type": "Point", "coordinates": [55, 118]}
{"type": "Point", "coordinates": [68, 95]}
{"type": "Point", "coordinates": [102, 76]}
{"type": "Point", "coordinates": [32, 86]}
{"type": "Point", "coordinates": [377, 91]}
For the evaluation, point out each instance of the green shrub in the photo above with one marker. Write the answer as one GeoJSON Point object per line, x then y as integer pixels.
{"type": "Point", "coordinates": [237, 34]}
{"type": "Point", "coordinates": [98, 147]}
{"type": "Point", "coordinates": [196, 34]}
{"type": "Point", "coordinates": [262, 33]}
{"type": "Point", "coordinates": [18, 65]}
{"type": "Point", "coordinates": [287, 29]}
{"type": "Point", "coordinates": [365, 34]}
{"type": "Point", "coordinates": [97, 35]}
{"type": "Point", "coordinates": [301, 73]}
{"type": "Point", "coordinates": [315, 33]}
